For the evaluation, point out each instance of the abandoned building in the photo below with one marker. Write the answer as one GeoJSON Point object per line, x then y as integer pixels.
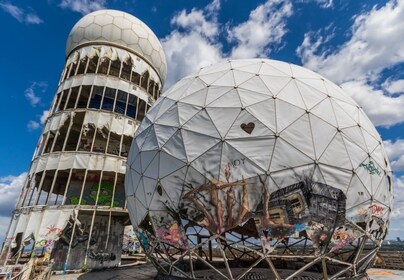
{"type": "Point", "coordinates": [72, 207]}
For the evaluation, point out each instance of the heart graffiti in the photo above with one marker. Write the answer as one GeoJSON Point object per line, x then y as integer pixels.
{"type": "Point", "coordinates": [248, 127]}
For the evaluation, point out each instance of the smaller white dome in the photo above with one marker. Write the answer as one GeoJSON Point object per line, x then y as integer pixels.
{"type": "Point", "coordinates": [122, 29]}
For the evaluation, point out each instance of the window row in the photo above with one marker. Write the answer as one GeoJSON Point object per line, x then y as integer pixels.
{"type": "Point", "coordinates": [76, 135]}
{"type": "Point", "coordinates": [75, 187]}
{"type": "Point", "coordinates": [106, 66]}
{"type": "Point", "coordinates": [100, 97]}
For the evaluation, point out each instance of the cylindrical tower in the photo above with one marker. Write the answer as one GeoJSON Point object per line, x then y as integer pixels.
{"type": "Point", "coordinates": [72, 208]}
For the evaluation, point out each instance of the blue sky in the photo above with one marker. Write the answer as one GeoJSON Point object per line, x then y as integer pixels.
{"type": "Point", "coordinates": [356, 44]}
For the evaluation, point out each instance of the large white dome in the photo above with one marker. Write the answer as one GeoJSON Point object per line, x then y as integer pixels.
{"type": "Point", "coordinates": [261, 148]}
{"type": "Point", "coordinates": [121, 29]}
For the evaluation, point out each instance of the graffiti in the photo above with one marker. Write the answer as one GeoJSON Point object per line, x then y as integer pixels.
{"type": "Point", "coordinates": [371, 168]}
{"type": "Point", "coordinates": [144, 241]}
{"type": "Point", "coordinates": [248, 128]}
{"type": "Point", "coordinates": [104, 197]}
{"type": "Point", "coordinates": [218, 210]}
{"type": "Point", "coordinates": [343, 236]}
{"type": "Point", "coordinates": [238, 162]}
{"type": "Point", "coordinates": [101, 256]}
{"type": "Point", "coordinates": [376, 210]}
{"type": "Point", "coordinates": [78, 236]}
{"type": "Point", "coordinates": [169, 230]}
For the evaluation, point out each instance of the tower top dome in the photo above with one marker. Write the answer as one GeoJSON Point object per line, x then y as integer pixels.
{"type": "Point", "coordinates": [118, 28]}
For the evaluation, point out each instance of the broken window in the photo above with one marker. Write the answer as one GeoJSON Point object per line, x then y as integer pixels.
{"type": "Point", "coordinates": [120, 104]}
{"type": "Point", "coordinates": [84, 95]}
{"type": "Point", "coordinates": [126, 142]}
{"type": "Point", "coordinates": [35, 189]}
{"type": "Point", "coordinates": [100, 141]}
{"type": "Point", "coordinates": [132, 103]}
{"type": "Point", "coordinates": [145, 80]}
{"type": "Point", "coordinates": [49, 142]}
{"type": "Point", "coordinates": [73, 69]}
{"type": "Point", "coordinates": [135, 78]}
{"type": "Point", "coordinates": [63, 99]}
{"type": "Point", "coordinates": [106, 189]}
{"type": "Point", "coordinates": [125, 73]}
{"type": "Point", "coordinates": [114, 143]}
{"type": "Point", "coordinates": [104, 65]}
{"type": "Point", "coordinates": [67, 70]}
{"type": "Point", "coordinates": [74, 132]}
{"type": "Point", "coordinates": [59, 188]}
{"type": "Point", "coordinates": [96, 97]}
{"type": "Point", "coordinates": [74, 92]}
{"type": "Point", "coordinates": [119, 196]}
{"type": "Point", "coordinates": [55, 106]}
{"type": "Point", "coordinates": [61, 135]}
{"type": "Point", "coordinates": [109, 98]}
{"type": "Point", "coordinates": [92, 64]}
{"type": "Point", "coordinates": [82, 65]}
{"type": "Point", "coordinates": [91, 188]}
{"type": "Point", "coordinates": [87, 135]}
{"type": "Point", "coordinates": [75, 186]}
{"type": "Point", "coordinates": [46, 187]}
{"type": "Point", "coordinates": [151, 88]}
{"type": "Point", "coordinates": [141, 110]}
{"type": "Point", "coordinates": [115, 68]}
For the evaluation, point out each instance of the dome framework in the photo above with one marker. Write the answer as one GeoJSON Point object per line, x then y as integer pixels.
{"type": "Point", "coordinates": [258, 168]}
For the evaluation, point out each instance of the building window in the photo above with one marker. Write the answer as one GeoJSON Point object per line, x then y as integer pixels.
{"type": "Point", "coordinates": [96, 97]}
{"type": "Point", "coordinates": [74, 133]}
{"type": "Point", "coordinates": [109, 98]}
{"type": "Point", "coordinates": [84, 96]}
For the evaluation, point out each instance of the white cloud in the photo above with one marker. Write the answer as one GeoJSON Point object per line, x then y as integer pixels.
{"type": "Point", "coordinates": [376, 44]}
{"type": "Point", "coordinates": [30, 92]}
{"type": "Point", "coordinates": [20, 14]}
{"type": "Point", "coordinates": [10, 189]}
{"type": "Point", "coordinates": [195, 39]}
{"type": "Point", "coordinates": [376, 41]}
{"type": "Point", "coordinates": [265, 26]}
{"type": "Point", "coordinates": [44, 116]}
{"type": "Point", "coordinates": [33, 125]}
{"type": "Point", "coordinates": [83, 6]}
{"type": "Point", "coordinates": [382, 109]}
{"type": "Point", "coordinates": [395, 152]}
{"type": "Point", "coordinates": [393, 87]}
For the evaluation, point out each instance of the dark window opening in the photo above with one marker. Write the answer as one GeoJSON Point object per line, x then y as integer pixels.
{"type": "Point", "coordinates": [74, 133]}
{"type": "Point", "coordinates": [109, 98]}
{"type": "Point", "coordinates": [103, 67]}
{"type": "Point", "coordinates": [72, 98]}
{"type": "Point", "coordinates": [121, 101]}
{"type": "Point", "coordinates": [61, 135]}
{"type": "Point", "coordinates": [92, 64]}
{"type": "Point", "coordinates": [96, 97]}
{"type": "Point", "coordinates": [84, 95]}
{"type": "Point", "coordinates": [132, 103]}
{"type": "Point", "coordinates": [82, 66]}
{"type": "Point", "coordinates": [87, 136]}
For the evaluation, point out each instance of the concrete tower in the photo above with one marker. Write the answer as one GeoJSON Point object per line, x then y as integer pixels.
{"type": "Point", "coordinates": [72, 207]}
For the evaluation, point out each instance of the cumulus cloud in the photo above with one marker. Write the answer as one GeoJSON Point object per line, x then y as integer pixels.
{"type": "Point", "coordinates": [395, 152]}
{"type": "Point", "coordinates": [20, 14]}
{"type": "Point", "coordinates": [195, 39]}
{"type": "Point", "coordinates": [375, 45]}
{"type": "Point", "coordinates": [394, 87]}
{"type": "Point", "coordinates": [83, 6]}
{"type": "Point", "coordinates": [10, 188]}
{"type": "Point", "coordinates": [266, 24]}
{"type": "Point", "coordinates": [382, 109]}
{"type": "Point", "coordinates": [33, 124]}
{"type": "Point", "coordinates": [31, 94]}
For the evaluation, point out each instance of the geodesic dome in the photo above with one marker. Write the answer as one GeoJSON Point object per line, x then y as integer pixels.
{"type": "Point", "coordinates": [249, 163]}
{"type": "Point", "coordinates": [122, 29]}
